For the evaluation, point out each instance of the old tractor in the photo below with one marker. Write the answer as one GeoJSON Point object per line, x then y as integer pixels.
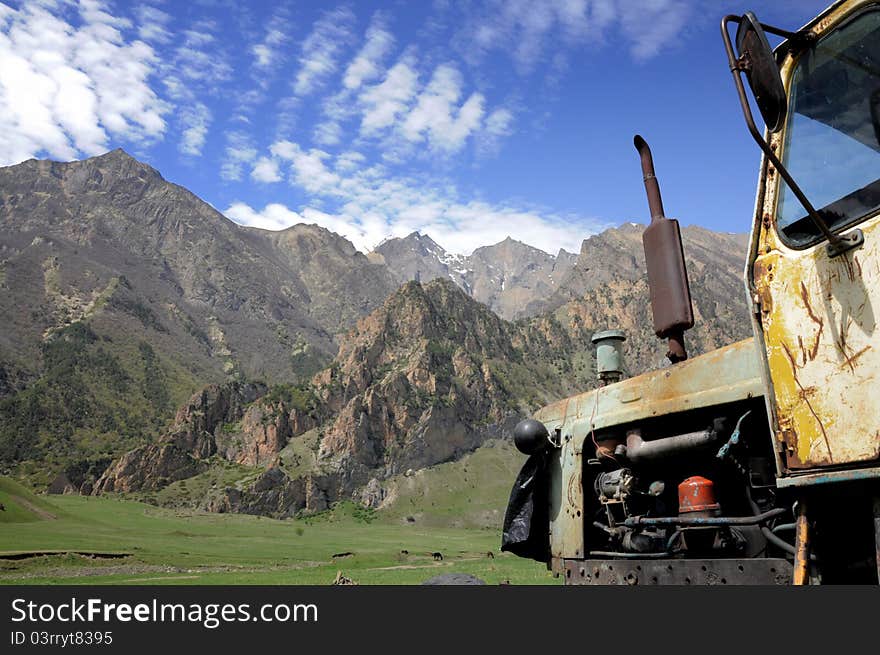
{"type": "Point", "coordinates": [759, 462]}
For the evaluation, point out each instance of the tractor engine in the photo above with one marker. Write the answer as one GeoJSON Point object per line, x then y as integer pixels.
{"type": "Point", "coordinates": [682, 498]}
{"type": "Point", "coordinates": [706, 492]}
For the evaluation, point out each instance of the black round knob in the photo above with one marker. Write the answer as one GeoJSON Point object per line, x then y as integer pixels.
{"type": "Point", "coordinates": [530, 436]}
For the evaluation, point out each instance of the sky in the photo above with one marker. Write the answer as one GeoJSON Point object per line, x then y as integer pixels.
{"type": "Point", "coordinates": [470, 120]}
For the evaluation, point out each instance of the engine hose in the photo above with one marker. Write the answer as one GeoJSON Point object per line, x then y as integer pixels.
{"type": "Point", "coordinates": [769, 534]}
{"type": "Point", "coordinates": [780, 543]}
{"type": "Point", "coordinates": [602, 527]}
{"type": "Point", "coordinates": [705, 520]}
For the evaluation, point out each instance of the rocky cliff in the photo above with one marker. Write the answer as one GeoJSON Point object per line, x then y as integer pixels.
{"type": "Point", "coordinates": [117, 283]}
{"type": "Point", "coordinates": [424, 379]}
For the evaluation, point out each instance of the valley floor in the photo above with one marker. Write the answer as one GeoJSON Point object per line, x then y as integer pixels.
{"type": "Point", "coordinates": [98, 540]}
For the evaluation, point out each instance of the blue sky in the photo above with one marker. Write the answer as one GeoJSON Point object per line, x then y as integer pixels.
{"type": "Point", "coordinates": [469, 121]}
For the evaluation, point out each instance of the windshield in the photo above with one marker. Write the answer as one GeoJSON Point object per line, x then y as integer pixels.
{"type": "Point", "coordinates": [832, 143]}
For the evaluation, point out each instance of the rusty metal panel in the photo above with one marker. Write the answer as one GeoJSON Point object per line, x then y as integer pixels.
{"type": "Point", "coordinates": [817, 316]}
{"type": "Point", "coordinates": [567, 498]}
{"type": "Point", "coordinates": [722, 376]}
{"type": "Point", "coordinates": [753, 571]}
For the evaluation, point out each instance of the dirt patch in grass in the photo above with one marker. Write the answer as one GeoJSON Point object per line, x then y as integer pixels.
{"type": "Point", "coordinates": [28, 505]}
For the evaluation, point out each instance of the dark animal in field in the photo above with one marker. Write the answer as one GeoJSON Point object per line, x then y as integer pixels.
{"type": "Point", "coordinates": [404, 552]}
{"type": "Point", "coordinates": [338, 555]}
{"type": "Point", "coordinates": [490, 554]}
{"type": "Point", "coordinates": [2, 507]}
{"type": "Point", "coordinates": [438, 557]}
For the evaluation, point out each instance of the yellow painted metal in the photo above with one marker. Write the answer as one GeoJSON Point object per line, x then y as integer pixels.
{"type": "Point", "coordinates": [818, 328]}
{"type": "Point", "coordinates": [800, 575]}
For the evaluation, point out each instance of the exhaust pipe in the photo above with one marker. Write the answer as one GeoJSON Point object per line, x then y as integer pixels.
{"type": "Point", "coordinates": [667, 274]}
{"type": "Point", "coordinates": [652, 186]}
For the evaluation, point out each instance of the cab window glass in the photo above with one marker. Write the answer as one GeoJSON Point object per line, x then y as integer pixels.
{"type": "Point", "coordinates": [832, 143]}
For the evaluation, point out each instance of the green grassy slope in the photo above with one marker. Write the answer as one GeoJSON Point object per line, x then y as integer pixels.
{"type": "Point", "coordinates": [170, 546]}
{"type": "Point", "coordinates": [21, 506]}
{"type": "Point", "coordinates": [469, 493]}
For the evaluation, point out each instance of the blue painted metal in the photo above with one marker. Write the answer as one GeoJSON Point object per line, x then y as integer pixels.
{"type": "Point", "coordinates": [829, 477]}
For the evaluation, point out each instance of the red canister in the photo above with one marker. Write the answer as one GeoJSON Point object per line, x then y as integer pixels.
{"type": "Point", "coordinates": [697, 494]}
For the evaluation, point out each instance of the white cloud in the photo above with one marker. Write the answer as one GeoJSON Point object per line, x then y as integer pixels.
{"type": "Point", "coordinates": [195, 120]}
{"type": "Point", "coordinates": [196, 68]}
{"type": "Point", "coordinates": [321, 49]}
{"type": "Point", "coordinates": [269, 52]}
{"type": "Point", "coordinates": [371, 206]}
{"type": "Point", "coordinates": [238, 153]}
{"type": "Point", "coordinates": [328, 133]}
{"type": "Point", "coordinates": [65, 88]}
{"type": "Point", "coordinates": [652, 25]}
{"type": "Point", "coordinates": [307, 167]}
{"type": "Point", "coordinates": [266, 170]}
{"type": "Point", "coordinates": [273, 216]}
{"type": "Point", "coordinates": [498, 122]}
{"type": "Point", "coordinates": [402, 113]}
{"type": "Point", "coordinates": [349, 161]}
{"type": "Point", "coordinates": [201, 58]}
{"type": "Point", "coordinates": [384, 102]}
{"type": "Point", "coordinates": [153, 24]}
{"type": "Point", "coordinates": [496, 126]}
{"type": "Point", "coordinates": [435, 115]}
{"type": "Point", "coordinates": [530, 29]}
{"type": "Point", "coordinates": [367, 64]}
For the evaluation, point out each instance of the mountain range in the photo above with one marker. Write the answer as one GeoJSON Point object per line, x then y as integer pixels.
{"type": "Point", "coordinates": [151, 344]}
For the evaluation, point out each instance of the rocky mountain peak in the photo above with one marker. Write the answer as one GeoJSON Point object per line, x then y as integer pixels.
{"type": "Point", "coordinates": [506, 276]}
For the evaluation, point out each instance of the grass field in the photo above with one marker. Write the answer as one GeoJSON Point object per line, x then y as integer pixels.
{"type": "Point", "coordinates": [97, 540]}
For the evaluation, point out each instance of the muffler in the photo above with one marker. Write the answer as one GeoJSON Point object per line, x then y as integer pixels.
{"type": "Point", "coordinates": [667, 275]}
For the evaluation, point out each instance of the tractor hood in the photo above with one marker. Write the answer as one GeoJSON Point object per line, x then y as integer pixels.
{"type": "Point", "coordinates": [725, 375]}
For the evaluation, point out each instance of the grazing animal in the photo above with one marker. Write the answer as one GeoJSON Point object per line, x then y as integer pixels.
{"type": "Point", "coordinates": [342, 580]}
{"type": "Point", "coordinates": [438, 557]}
{"type": "Point", "coordinates": [2, 507]}
{"type": "Point", "coordinates": [490, 554]}
{"type": "Point", "coordinates": [404, 552]}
